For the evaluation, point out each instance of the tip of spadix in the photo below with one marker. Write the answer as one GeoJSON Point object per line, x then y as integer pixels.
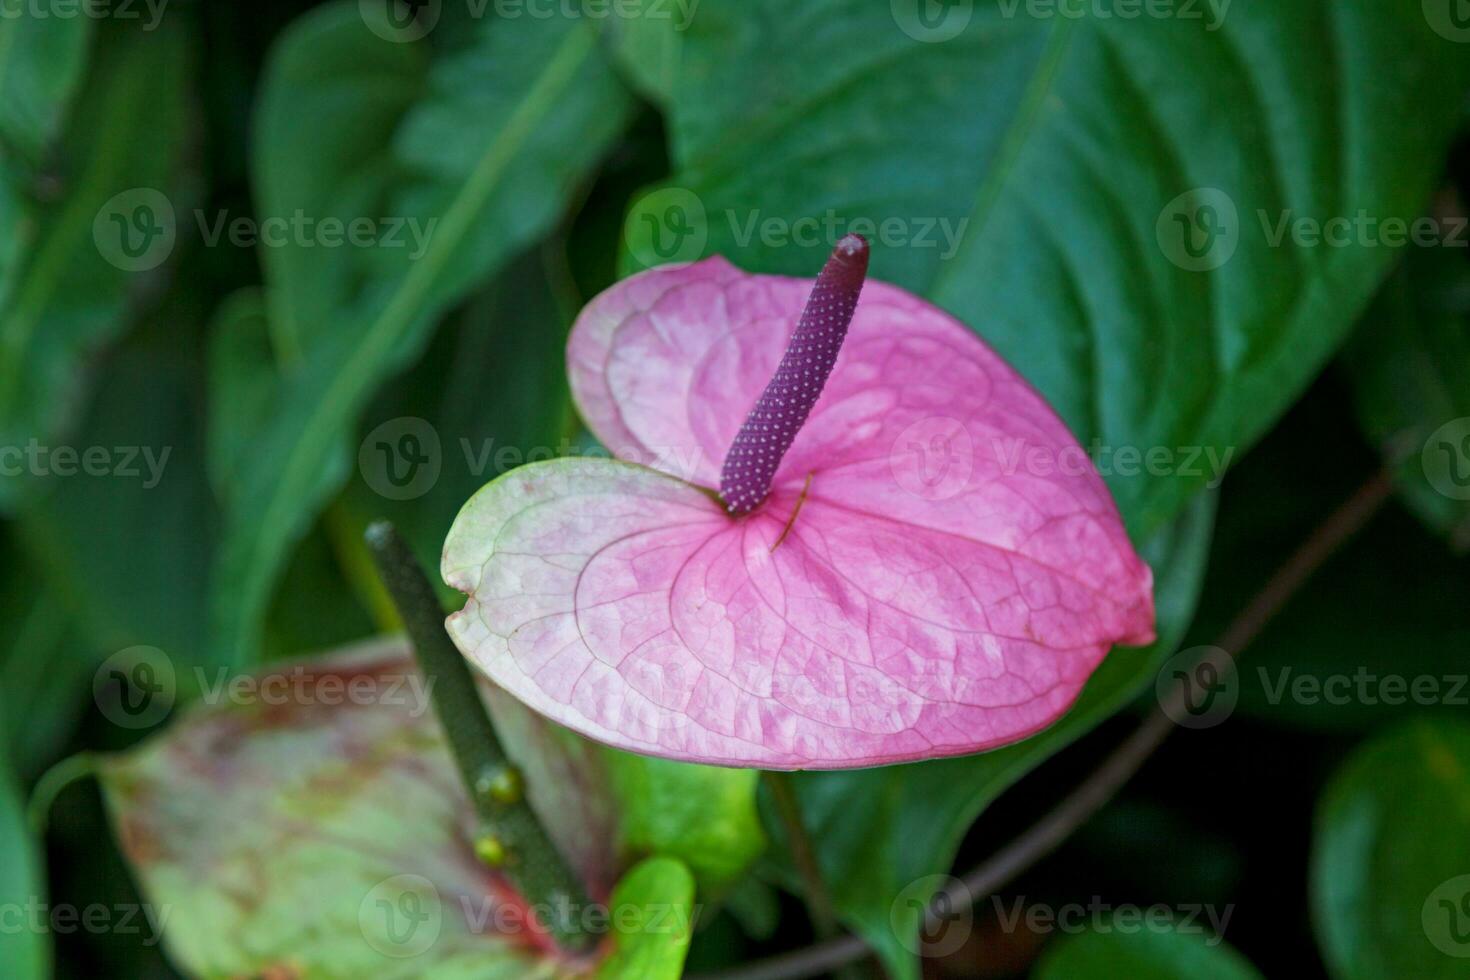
{"type": "Point", "coordinates": [849, 261]}
{"type": "Point", "coordinates": [787, 400]}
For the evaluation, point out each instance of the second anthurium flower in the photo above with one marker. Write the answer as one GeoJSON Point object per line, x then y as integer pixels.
{"type": "Point", "coordinates": [821, 551]}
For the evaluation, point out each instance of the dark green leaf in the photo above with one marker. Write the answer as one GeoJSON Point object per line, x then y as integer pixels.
{"type": "Point", "coordinates": [1391, 857]}
{"type": "Point", "coordinates": [1410, 366]}
{"type": "Point", "coordinates": [646, 42]}
{"type": "Point", "coordinates": [1354, 647]}
{"type": "Point", "coordinates": [1061, 155]}
{"type": "Point", "coordinates": [25, 949]}
{"type": "Point", "coordinates": [492, 388]}
{"type": "Point", "coordinates": [125, 546]}
{"type": "Point", "coordinates": [44, 676]}
{"type": "Point", "coordinates": [41, 64]}
{"type": "Point", "coordinates": [66, 291]}
{"type": "Point", "coordinates": [480, 145]}
{"type": "Point", "coordinates": [1138, 953]}
{"type": "Point", "coordinates": [242, 383]}
{"type": "Point", "coordinates": [114, 533]}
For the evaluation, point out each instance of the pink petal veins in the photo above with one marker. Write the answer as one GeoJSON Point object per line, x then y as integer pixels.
{"type": "Point", "coordinates": [956, 571]}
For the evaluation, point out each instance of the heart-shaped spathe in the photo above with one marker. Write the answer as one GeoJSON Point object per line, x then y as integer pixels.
{"type": "Point", "coordinates": [954, 571]}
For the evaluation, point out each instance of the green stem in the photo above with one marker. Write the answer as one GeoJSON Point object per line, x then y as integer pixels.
{"type": "Point", "coordinates": [53, 781]}
{"type": "Point", "coordinates": [803, 855]}
{"type": "Point", "coordinates": [344, 529]}
{"type": "Point", "coordinates": [511, 837]}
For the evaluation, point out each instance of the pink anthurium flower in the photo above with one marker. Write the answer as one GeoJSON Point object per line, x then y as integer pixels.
{"type": "Point", "coordinates": [898, 553]}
